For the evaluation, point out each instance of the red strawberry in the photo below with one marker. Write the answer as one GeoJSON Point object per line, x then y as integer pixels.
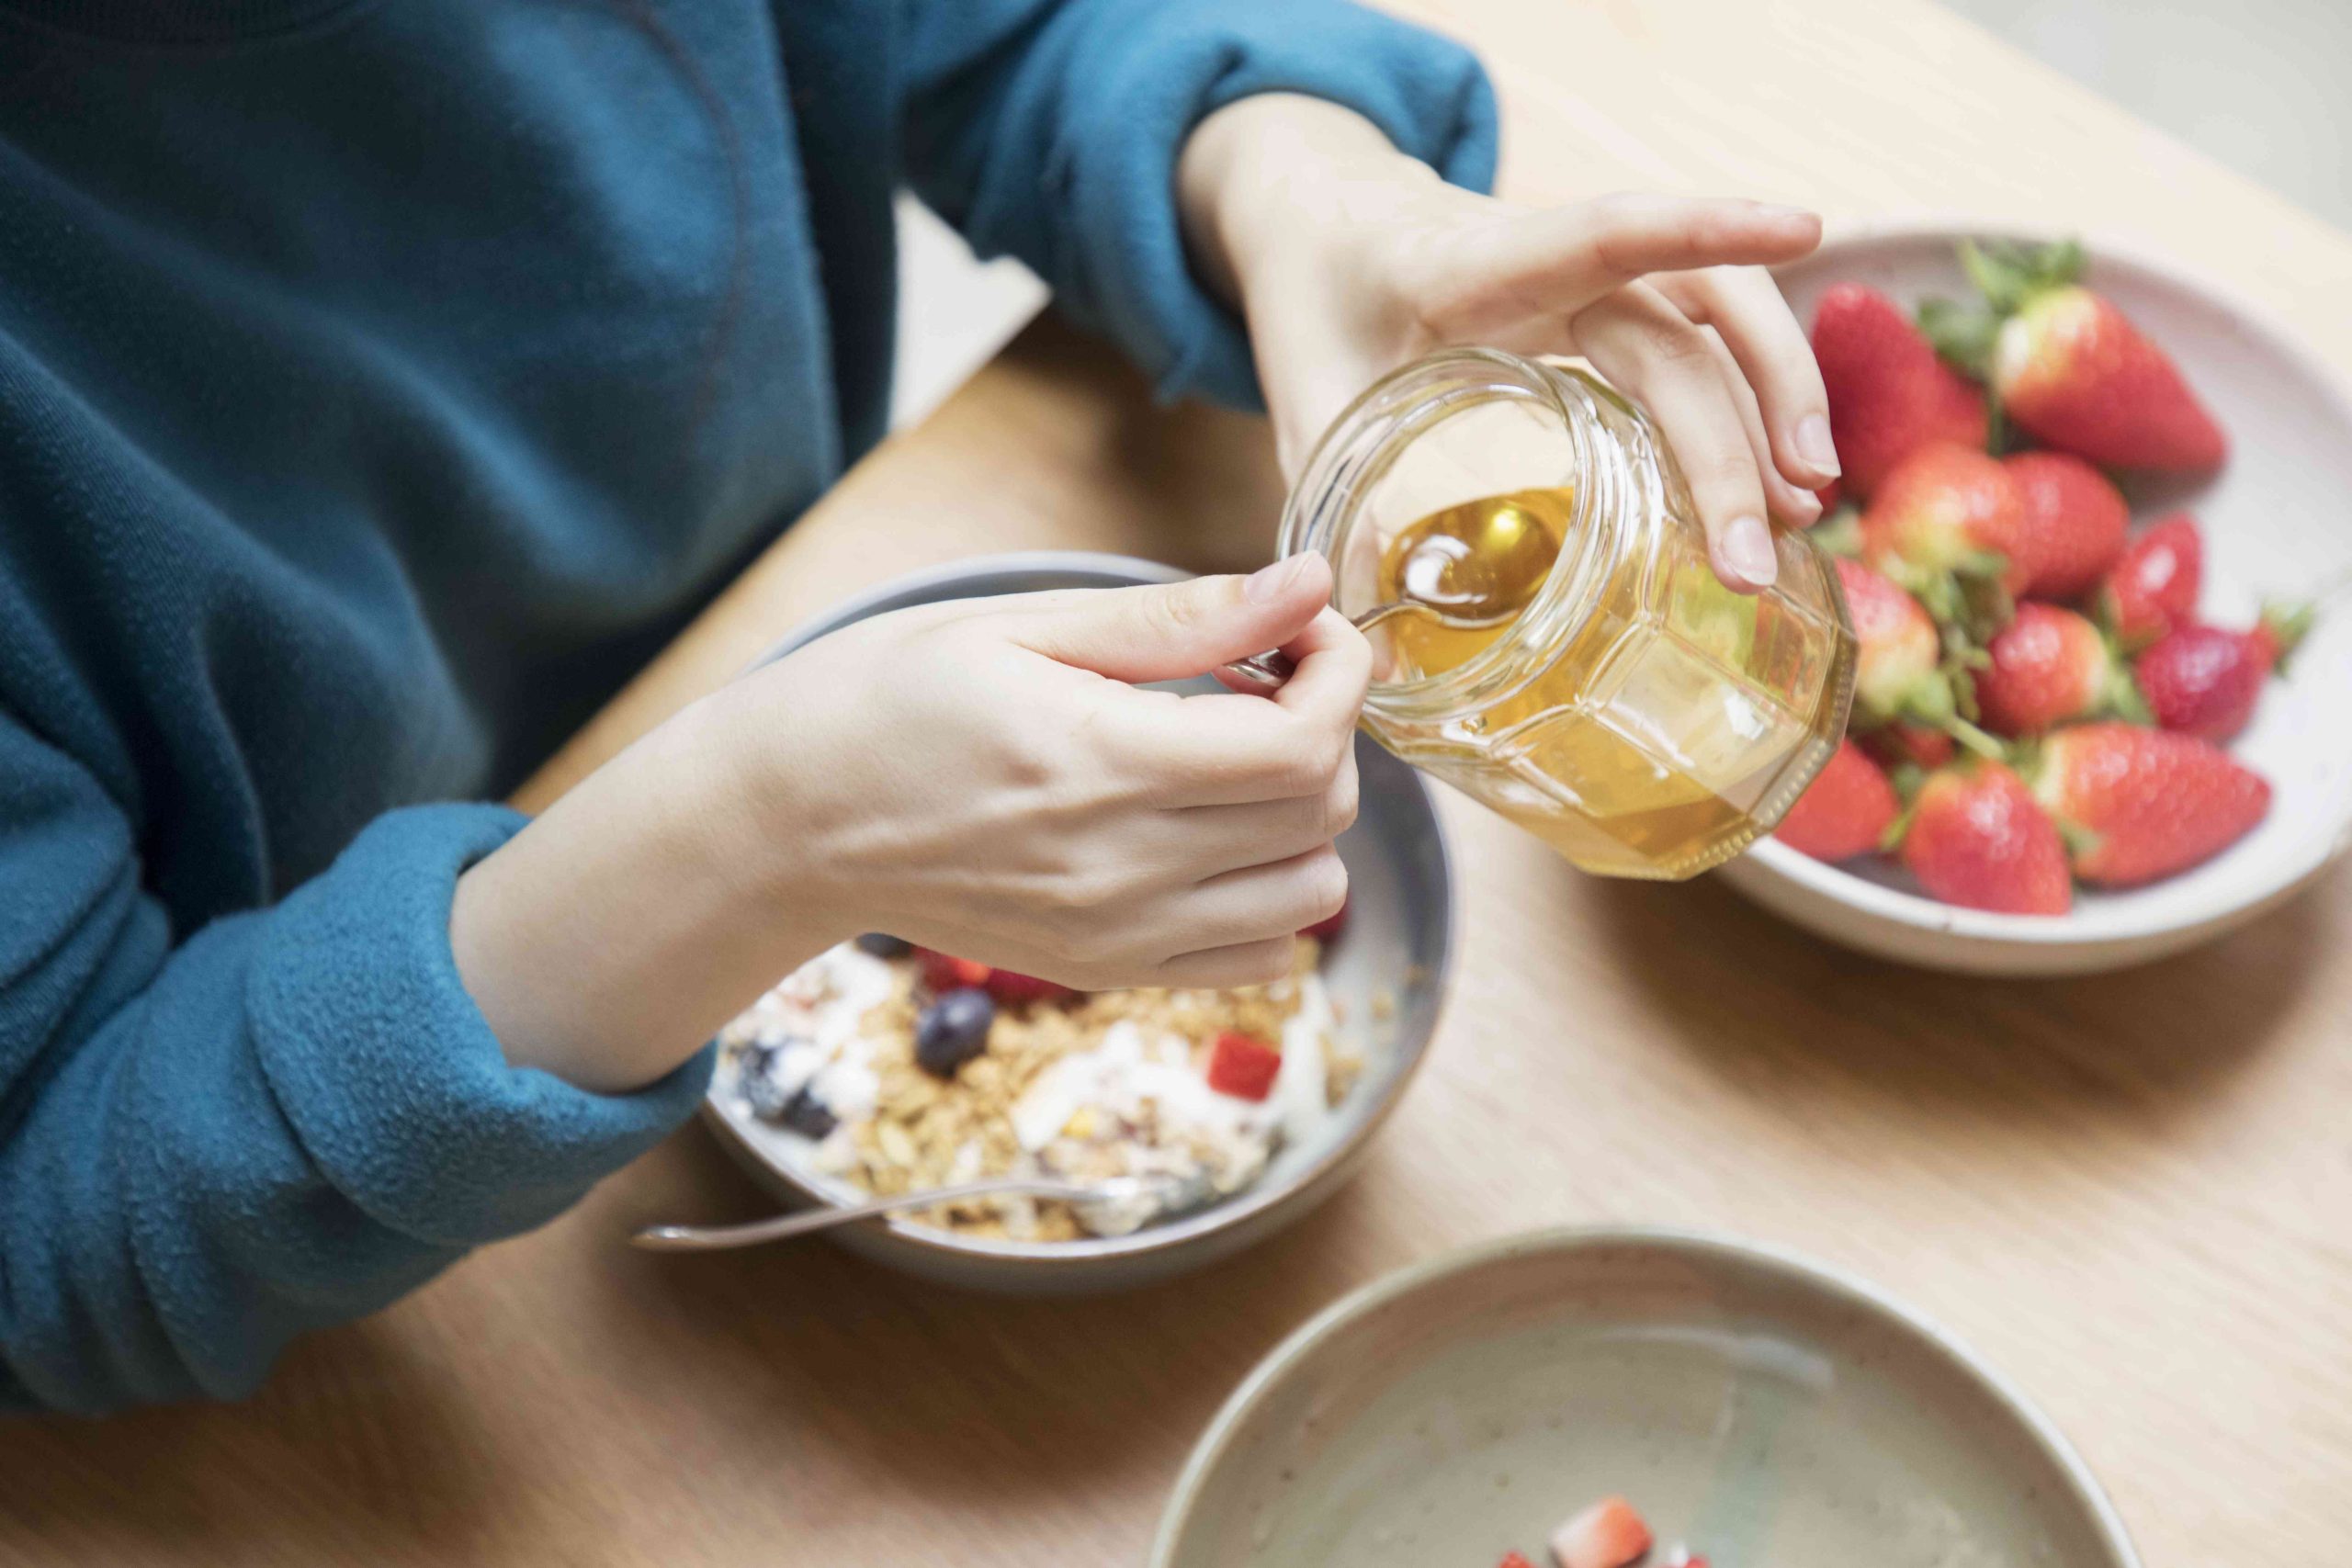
{"type": "Point", "coordinates": [1898, 666]}
{"type": "Point", "coordinates": [2204, 680]}
{"type": "Point", "coordinates": [1513, 1560]}
{"type": "Point", "coordinates": [1889, 395]}
{"type": "Point", "coordinates": [1901, 743]}
{"type": "Point", "coordinates": [2141, 804]}
{"type": "Point", "coordinates": [1945, 516]}
{"type": "Point", "coordinates": [944, 974]}
{"type": "Point", "coordinates": [1830, 495]}
{"type": "Point", "coordinates": [1607, 1535]}
{"type": "Point", "coordinates": [1012, 988]}
{"type": "Point", "coordinates": [1975, 837]}
{"type": "Point", "coordinates": [2074, 522]}
{"type": "Point", "coordinates": [1243, 1067]}
{"type": "Point", "coordinates": [1844, 811]}
{"type": "Point", "coordinates": [2049, 666]}
{"type": "Point", "coordinates": [2153, 587]}
{"type": "Point", "coordinates": [1327, 930]}
{"type": "Point", "coordinates": [2070, 369]}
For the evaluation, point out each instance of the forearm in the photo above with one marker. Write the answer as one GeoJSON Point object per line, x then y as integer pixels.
{"type": "Point", "coordinates": [609, 940]}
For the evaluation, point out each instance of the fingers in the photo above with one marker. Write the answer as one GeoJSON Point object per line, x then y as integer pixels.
{"type": "Point", "coordinates": [1744, 307]}
{"type": "Point", "coordinates": [1231, 838]}
{"type": "Point", "coordinates": [1171, 631]}
{"type": "Point", "coordinates": [1244, 964]}
{"type": "Point", "coordinates": [1651, 350]}
{"type": "Point", "coordinates": [1257, 903]}
{"type": "Point", "coordinates": [1556, 262]}
{"type": "Point", "coordinates": [1797, 508]}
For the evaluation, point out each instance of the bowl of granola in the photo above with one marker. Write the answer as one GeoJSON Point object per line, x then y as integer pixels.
{"type": "Point", "coordinates": [881, 1070]}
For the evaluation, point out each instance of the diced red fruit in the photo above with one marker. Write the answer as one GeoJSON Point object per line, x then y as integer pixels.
{"type": "Point", "coordinates": [1945, 513]}
{"type": "Point", "coordinates": [1514, 1560]}
{"type": "Point", "coordinates": [1013, 989]}
{"type": "Point", "coordinates": [1844, 811]}
{"type": "Point", "coordinates": [1893, 745]}
{"type": "Point", "coordinates": [944, 974]}
{"type": "Point", "coordinates": [1977, 837]}
{"type": "Point", "coordinates": [1327, 928]}
{"type": "Point", "coordinates": [2047, 667]}
{"type": "Point", "coordinates": [2142, 804]}
{"type": "Point", "coordinates": [2074, 522]}
{"type": "Point", "coordinates": [1889, 394]}
{"type": "Point", "coordinates": [2154, 587]}
{"type": "Point", "coordinates": [1608, 1534]}
{"type": "Point", "coordinates": [2073, 371]}
{"type": "Point", "coordinates": [1899, 654]}
{"type": "Point", "coordinates": [1243, 1067]}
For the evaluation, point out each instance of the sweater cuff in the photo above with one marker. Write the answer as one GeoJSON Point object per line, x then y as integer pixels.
{"type": "Point", "coordinates": [1427, 93]}
{"type": "Point", "coordinates": [387, 1070]}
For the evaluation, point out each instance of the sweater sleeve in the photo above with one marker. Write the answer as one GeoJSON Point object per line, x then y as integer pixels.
{"type": "Point", "coordinates": [1050, 129]}
{"type": "Point", "coordinates": [284, 1120]}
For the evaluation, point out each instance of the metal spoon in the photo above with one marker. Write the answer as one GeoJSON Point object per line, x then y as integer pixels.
{"type": "Point", "coordinates": [784, 1227]}
{"type": "Point", "coordinates": [1268, 670]}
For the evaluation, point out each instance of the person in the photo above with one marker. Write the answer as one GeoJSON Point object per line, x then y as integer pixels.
{"type": "Point", "coordinates": [380, 384]}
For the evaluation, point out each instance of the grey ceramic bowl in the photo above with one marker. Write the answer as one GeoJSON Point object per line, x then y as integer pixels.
{"type": "Point", "coordinates": [1764, 1412]}
{"type": "Point", "coordinates": [1399, 937]}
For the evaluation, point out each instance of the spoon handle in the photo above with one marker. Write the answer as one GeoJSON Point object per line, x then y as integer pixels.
{"type": "Point", "coordinates": [784, 1227]}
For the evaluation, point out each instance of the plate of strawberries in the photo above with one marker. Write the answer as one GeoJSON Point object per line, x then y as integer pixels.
{"type": "Point", "coordinates": [2094, 532]}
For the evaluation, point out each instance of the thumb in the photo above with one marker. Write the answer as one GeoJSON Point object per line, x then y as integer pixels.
{"type": "Point", "coordinates": [1174, 630]}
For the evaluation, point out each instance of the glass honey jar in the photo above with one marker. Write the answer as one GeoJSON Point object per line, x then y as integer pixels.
{"type": "Point", "coordinates": [1557, 645]}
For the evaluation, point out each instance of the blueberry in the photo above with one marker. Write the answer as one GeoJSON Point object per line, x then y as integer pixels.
{"type": "Point", "coordinates": [952, 1030]}
{"type": "Point", "coordinates": [768, 1098]}
{"type": "Point", "coordinates": [882, 946]}
{"type": "Point", "coordinates": [807, 1115]}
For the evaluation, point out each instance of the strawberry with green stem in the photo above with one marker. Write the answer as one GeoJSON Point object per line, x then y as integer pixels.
{"type": "Point", "coordinates": [2068, 367]}
{"type": "Point", "coordinates": [2135, 805]}
{"type": "Point", "coordinates": [1902, 674]}
{"type": "Point", "coordinates": [1889, 393]}
{"type": "Point", "coordinates": [1844, 812]}
{"type": "Point", "coordinates": [1948, 524]}
{"type": "Point", "coordinates": [1974, 836]}
{"type": "Point", "coordinates": [2205, 681]}
{"type": "Point", "coordinates": [2050, 666]}
{"type": "Point", "coordinates": [2154, 587]}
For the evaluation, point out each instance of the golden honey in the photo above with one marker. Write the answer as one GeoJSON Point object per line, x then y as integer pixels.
{"type": "Point", "coordinates": [1564, 653]}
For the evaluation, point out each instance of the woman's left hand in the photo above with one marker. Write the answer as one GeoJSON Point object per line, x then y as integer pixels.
{"type": "Point", "coordinates": [1349, 259]}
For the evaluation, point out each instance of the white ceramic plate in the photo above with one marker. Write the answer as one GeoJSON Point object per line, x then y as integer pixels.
{"type": "Point", "coordinates": [2277, 522]}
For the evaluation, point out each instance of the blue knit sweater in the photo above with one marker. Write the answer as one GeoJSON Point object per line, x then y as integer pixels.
{"type": "Point", "coordinates": [380, 382]}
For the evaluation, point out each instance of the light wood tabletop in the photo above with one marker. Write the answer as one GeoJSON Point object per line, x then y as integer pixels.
{"type": "Point", "coordinates": [2129, 1192]}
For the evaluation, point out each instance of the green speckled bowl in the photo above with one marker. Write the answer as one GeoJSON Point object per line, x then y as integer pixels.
{"type": "Point", "coordinates": [1765, 1411]}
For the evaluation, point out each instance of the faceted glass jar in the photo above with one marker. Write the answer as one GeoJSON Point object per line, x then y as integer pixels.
{"type": "Point", "coordinates": [1633, 713]}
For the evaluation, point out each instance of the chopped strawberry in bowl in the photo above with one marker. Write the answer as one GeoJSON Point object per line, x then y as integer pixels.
{"type": "Point", "coordinates": [2101, 577]}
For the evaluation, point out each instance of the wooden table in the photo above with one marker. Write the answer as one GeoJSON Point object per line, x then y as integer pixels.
{"type": "Point", "coordinates": [2132, 1192]}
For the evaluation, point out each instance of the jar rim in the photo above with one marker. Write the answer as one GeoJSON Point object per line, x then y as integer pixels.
{"type": "Point", "coordinates": [1356, 451]}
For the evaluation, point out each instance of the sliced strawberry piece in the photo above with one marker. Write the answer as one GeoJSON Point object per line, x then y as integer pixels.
{"type": "Point", "coordinates": [2155, 587]}
{"type": "Point", "coordinates": [2075, 522]}
{"type": "Point", "coordinates": [1608, 1534]}
{"type": "Point", "coordinates": [1889, 395]}
{"type": "Point", "coordinates": [1327, 930]}
{"type": "Point", "coordinates": [1013, 988]}
{"type": "Point", "coordinates": [2049, 667]}
{"type": "Point", "coordinates": [1846, 810]}
{"type": "Point", "coordinates": [944, 974]}
{"type": "Point", "coordinates": [1976, 837]}
{"type": "Point", "coordinates": [1243, 1067]}
{"type": "Point", "coordinates": [2144, 804]}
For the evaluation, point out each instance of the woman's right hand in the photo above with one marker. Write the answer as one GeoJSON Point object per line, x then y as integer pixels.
{"type": "Point", "coordinates": [987, 777]}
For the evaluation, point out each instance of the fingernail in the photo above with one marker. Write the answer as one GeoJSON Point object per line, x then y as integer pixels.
{"type": "Point", "coordinates": [1266, 584]}
{"type": "Point", "coordinates": [1814, 446]}
{"type": "Point", "coordinates": [1747, 549]}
